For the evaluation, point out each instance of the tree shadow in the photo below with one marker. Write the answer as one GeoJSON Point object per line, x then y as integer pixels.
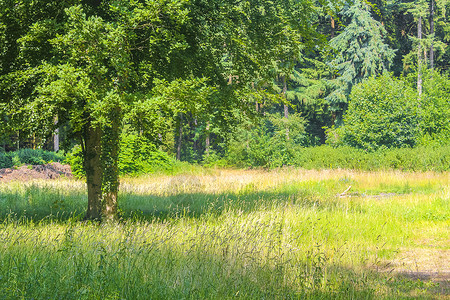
{"type": "Point", "coordinates": [40, 205]}
{"type": "Point", "coordinates": [198, 205]}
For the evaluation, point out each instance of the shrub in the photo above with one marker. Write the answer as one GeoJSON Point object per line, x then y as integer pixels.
{"type": "Point", "coordinates": [266, 144]}
{"type": "Point", "coordinates": [75, 159]}
{"type": "Point", "coordinates": [382, 112]}
{"type": "Point", "coordinates": [422, 158]}
{"type": "Point", "coordinates": [138, 155]}
{"type": "Point", "coordinates": [29, 157]}
{"type": "Point", "coordinates": [5, 160]}
{"type": "Point", "coordinates": [435, 114]}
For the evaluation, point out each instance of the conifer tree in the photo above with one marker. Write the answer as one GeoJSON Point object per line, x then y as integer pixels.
{"type": "Point", "coordinates": [425, 44]}
{"type": "Point", "coordinates": [362, 53]}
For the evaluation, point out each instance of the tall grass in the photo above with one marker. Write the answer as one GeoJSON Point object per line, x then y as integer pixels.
{"type": "Point", "coordinates": [225, 234]}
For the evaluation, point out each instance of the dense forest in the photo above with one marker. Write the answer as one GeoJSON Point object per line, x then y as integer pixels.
{"type": "Point", "coordinates": [124, 87]}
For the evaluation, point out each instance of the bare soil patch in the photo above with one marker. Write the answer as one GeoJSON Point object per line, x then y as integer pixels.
{"type": "Point", "coordinates": [427, 265]}
{"type": "Point", "coordinates": [29, 172]}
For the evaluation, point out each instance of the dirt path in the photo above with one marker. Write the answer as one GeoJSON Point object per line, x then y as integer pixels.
{"type": "Point", "coordinates": [427, 265]}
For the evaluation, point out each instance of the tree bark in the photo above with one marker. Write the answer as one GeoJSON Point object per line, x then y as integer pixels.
{"type": "Point", "coordinates": [110, 176]}
{"type": "Point", "coordinates": [207, 141]}
{"type": "Point", "coordinates": [92, 165]}
{"type": "Point", "coordinates": [332, 28]}
{"type": "Point", "coordinates": [194, 143]}
{"type": "Point", "coordinates": [180, 137]}
{"type": "Point", "coordinates": [286, 108]}
{"type": "Point", "coordinates": [419, 58]}
{"type": "Point", "coordinates": [56, 136]}
{"type": "Point", "coordinates": [432, 32]}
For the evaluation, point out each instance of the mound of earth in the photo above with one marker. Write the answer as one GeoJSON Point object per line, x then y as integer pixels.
{"type": "Point", "coordinates": [29, 172]}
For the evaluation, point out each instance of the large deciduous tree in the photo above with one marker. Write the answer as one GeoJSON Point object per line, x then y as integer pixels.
{"type": "Point", "coordinates": [114, 62]}
{"type": "Point", "coordinates": [91, 84]}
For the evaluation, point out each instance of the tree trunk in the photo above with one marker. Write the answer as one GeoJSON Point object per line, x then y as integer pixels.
{"type": "Point", "coordinates": [207, 141]}
{"type": "Point", "coordinates": [286, 108]}
{"type": "Point", "coordinates": [332, 28]}
{"type": "Point", "coordinates": [180, 137]}
{"type": "Point", "coordinates": [92, 165]}
{"type": "Point", "coordinates": [56, 136]}
{"type": "Point", "coordinates": [110, 176]}
{"type": "Point", "coordinates": [194, 140]}
{"type": "Point", "coordinates": [419, 58]}
{"type": "Point", "coordinates": [432, 32]}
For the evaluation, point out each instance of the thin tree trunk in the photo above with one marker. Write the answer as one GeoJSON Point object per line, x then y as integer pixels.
{"type": "Point", "coordinates": [432, 32]}
{"type": "Point", "coordinates": [207, 141]}
{"type": "Point", "coordinates": [194, 143]}
{"type": "Point", "coordinates": [56, 136]}
{"type": "Point", "coordinates": [332, 27]}
{"type": "Point", "coordinates": [256, 102]}
{"type": "Point", "coordinates": [286, 108]}
{"type": "Point", "coordinates": [286, 111]}
{"type": "Point", "coordinates": [419, 58]}
{"type": "Point", "coordinates": [180, 137]}
{"type": "Point", "coordinates": [92, 165]}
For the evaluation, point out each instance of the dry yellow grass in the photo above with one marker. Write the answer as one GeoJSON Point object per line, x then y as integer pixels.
{"type": "Point", "coordinates": [223, 181]}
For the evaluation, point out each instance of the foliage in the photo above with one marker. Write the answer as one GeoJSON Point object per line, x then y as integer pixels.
{"type": "Point", "coordinates": [75, 159]}
{"type": "Point", "coordinates": [435, 108]}
{"type": "Point", "coordinates": [103, 61]}
{"type": "Point", "coordinates": [385, 112]}
{"type": "Point", "coordinates": [361, 53]}
{"type": "Point", "coordinates": [271, 143]}
{"type": "Point", "coordinates": [29, 157]}
{"type": "Point", "coordinates": [382, 112]}
{"type": "Point", "coordinates": [421, 158]}
{"type": "Point", "coordinates": [138, 156]}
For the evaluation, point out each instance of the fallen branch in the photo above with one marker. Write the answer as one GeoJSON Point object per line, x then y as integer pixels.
{"type": "Point", "coordinates": [343, 194]}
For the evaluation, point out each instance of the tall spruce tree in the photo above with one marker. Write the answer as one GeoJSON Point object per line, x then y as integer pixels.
{"type": "Point", "coordinates": [361, 53]}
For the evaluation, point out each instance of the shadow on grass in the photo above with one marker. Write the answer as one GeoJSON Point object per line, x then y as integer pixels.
{"type": "Point", "coordinates": [40, 205]}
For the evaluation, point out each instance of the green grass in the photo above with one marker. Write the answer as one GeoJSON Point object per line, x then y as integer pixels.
{"type": "Point", "coordinates": [226, 234]}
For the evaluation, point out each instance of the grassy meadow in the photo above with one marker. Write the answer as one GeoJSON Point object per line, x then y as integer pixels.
{"type": "Point", "coordinates": [220, 234]}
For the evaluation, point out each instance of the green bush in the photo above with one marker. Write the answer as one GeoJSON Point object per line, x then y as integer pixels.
{"type": "Point", "coordinates": [382, 113]}
{"type": "Point", "coordinates": [5, 160]}
{"type": "Point", "coordinates": [422, 158]}
{"type": "Point", "coordinates": [267, 144]}
{"type": "Point", "coordinates": [29, 157]}
{"type": "Point", "coordinates": [75, 159]}
{"type": "Point", "coordinates": [138, 155]}
{"type": "Point", "coordinates": [435, 112]}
